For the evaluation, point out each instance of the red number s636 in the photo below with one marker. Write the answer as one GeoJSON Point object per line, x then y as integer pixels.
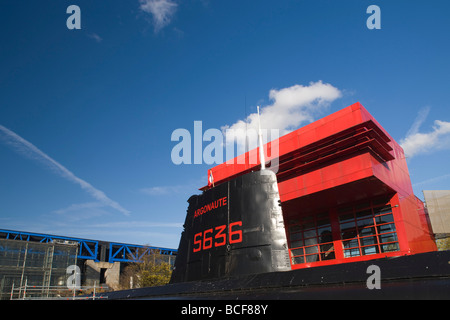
{"type": "Point", "coordinates": [216, 237]}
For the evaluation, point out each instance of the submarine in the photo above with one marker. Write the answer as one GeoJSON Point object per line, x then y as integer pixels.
{"type": "Point", "coordinates": [235, 228]}
{"type": "Point", "coordinates": [336, 219]}
{"type": "Point", "coordinates": [234, 247]}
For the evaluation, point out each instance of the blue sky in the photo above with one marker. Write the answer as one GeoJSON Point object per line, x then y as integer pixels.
{"type": "Point", "coordinates": [86, 116]}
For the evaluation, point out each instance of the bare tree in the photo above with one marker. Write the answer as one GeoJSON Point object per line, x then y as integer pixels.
{"type": "Point", "coordinates": [152, 270]}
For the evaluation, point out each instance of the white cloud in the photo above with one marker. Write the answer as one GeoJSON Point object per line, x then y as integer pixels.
{"type": "Point", "coordinates": [162, 190]}
{"type": "Point", "coordinates": [79, 206]}
{"type": "Point", "coordinates": [187, 188]}
{"type": "Point", "coordinates": [28, 149]}
{"type": "Point", "coordinates": [138, 224]}
{"type": "Point", "coordinates": [432, 180]}
{"type": "Point", "coordinates": [416, 143]}
{"type": "Point", "coordinates": [162, 11]}
{"type": "Point", "coordinates": [96, 37]}
{"type": "Point", "coordinates": [292, 107]}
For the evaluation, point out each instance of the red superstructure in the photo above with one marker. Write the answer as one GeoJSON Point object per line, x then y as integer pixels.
{"type": "Point", "coordinates": [345, 191]}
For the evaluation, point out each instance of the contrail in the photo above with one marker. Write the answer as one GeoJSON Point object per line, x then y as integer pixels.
{"type": "Point", "coordinates": [435, 179]}
{"type": "Point", "coordinates": [421, 117]}
{"type": "Point", "coordinates": [28, 149]}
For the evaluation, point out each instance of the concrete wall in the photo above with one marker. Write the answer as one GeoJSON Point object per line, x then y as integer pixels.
{"type": "Point", "coordinates": [438, 206]}
{"type": "Point", "coordinates": [102, 273]}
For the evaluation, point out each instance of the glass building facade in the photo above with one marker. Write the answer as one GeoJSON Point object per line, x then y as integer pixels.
{"type": "Point", "coordinates": [345, 191]}
{"type": "Point", "coordinates": [25, 266]}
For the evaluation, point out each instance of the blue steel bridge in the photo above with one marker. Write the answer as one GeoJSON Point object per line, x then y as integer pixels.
{"type": "Point", "coordinates": [92, 249]}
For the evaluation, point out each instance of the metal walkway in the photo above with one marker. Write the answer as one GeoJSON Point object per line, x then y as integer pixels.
{"type": "Point", "coordinates": [92, 249]}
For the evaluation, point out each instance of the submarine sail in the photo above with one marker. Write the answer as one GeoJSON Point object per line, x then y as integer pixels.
{"type": "Point", "coordinates": [235, 228]}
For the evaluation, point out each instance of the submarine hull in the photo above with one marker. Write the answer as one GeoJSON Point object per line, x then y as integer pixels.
{"type": "Point", "coordinates": [234, 247]}
{"type": "Point", "coordinates": [419, 276]}
{"type": "Point", "coordinates": [235, 228]}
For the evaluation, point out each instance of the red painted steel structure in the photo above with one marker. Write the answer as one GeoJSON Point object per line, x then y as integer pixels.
{"type": "Point", "coordinates": [345, 191]}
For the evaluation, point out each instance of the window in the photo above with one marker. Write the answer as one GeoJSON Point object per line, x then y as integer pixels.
{"type": "Point", "coordinates": [310, 239]}
{"type": "Point", "coordinates": [363, 229]}
{"type": "Point", "coordinates": [367, 229]}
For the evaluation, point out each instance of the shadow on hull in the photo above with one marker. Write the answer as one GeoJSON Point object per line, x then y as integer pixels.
{"type": "Point", "coordinates": [420, 276]}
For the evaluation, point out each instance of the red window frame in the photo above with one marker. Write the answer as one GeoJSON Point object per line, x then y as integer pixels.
{"type": "Point", "coordinates": [367, 229]}
{"type": "Point", "coordinates": [311, 239]}
{"type": "Point", "coordinates": [356, 230]}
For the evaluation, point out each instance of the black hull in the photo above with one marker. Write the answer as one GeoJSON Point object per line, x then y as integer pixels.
{"type": "Point", "coordinates": [234, 247]}
{"type": "Point", "coordinates": [420, 276]}
{"type": "Point", "coordinates": [236, 228]}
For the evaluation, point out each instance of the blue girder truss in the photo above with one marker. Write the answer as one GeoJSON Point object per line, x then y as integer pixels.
{"type": "Point", "coordinates": [89, 249]}
{"type": "Point", "coordinates": [134, 253]}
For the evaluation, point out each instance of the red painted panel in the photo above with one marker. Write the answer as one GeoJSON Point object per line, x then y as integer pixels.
{"type": "Point", "coordinates": [341, 159]}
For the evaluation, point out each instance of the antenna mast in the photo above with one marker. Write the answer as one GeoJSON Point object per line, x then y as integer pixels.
{"type": "Point", "coordinates": [261, 146]}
